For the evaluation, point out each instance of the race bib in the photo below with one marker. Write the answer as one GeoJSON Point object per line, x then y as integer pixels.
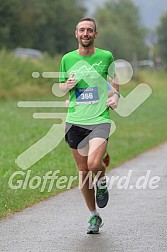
{"type": "Point", "coordinates": [87, 95]}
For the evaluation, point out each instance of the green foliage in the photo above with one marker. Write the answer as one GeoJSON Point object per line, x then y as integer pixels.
{"type": "Point", "coordinates": [162, 38]}
{"type": "Point", "coordinates": [58, 30]}
{"type": "Point", "coordinates": [47, 25]}
{"type": "Point", "coordinates": [16, 75]}
{"type": "Point", "coordinates": [9, 19]}
{"type": "Point", "coordinates": [120, 30]}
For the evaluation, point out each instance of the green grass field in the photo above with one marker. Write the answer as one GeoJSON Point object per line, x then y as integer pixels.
{"type": "Point", "coordinates": [143, 129]}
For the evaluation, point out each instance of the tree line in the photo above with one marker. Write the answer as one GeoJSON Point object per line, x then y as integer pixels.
{"type": "Point", "coordinates": [48, 25]}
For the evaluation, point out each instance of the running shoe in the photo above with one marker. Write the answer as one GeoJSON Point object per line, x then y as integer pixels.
{"type": "Point", "coordinates": [102, 195]}
{"type": "Point", "coordinates": [106, 159]}
{"type": "Point", "coordinates": [95, 223]}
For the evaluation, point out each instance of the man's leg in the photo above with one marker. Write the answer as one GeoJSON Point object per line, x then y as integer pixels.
{"type": "Point", "coordinates": [95, 221]}
{"type": "Point", "coordinates": [97, 149]}
{"type": "Point", "coordinates": [74, 137]}
{"type": "Point", "coordinates": [87, 189]}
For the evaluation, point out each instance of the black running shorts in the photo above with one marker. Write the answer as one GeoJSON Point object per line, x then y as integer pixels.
{"type": "Point", "coordinates": [78, 136]}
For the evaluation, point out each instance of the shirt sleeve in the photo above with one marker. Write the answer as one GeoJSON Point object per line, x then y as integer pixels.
{"type": "Point", "coordinates": [62, 76]}
{"type": "Point", "coordinates": [111, 69]}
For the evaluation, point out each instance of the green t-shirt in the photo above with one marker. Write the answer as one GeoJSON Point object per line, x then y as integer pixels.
{"type": "Point", "coordinates": [87, 104]}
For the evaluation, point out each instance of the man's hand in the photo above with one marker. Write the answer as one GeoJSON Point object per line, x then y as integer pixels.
{"type": "Point", "coordinates": [68, 85]}
{"type": "Point", "coordinates": [113, 101]}
{"type": "Point", "coordinates": [71, 82]}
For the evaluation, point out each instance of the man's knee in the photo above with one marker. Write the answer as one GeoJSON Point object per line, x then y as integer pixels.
{"type": "Point", "coordinates": [85, 175]}
{"type": "Point", "coordinates": [83, 171]}
{"type": "Point", "coordinates": [93, 165]}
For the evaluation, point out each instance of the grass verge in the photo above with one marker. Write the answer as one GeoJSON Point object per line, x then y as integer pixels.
{"type": "Point", "coordinates": [143, 129]}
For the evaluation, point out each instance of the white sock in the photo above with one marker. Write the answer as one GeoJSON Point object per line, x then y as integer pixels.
{"type": "Point", "coordinates": [93, 213]}
{"type": "Point", "coordinates": [102, 182]}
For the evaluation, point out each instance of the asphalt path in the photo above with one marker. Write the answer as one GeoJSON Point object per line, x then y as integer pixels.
{"type": "Point", "coordinates": [135, 218]}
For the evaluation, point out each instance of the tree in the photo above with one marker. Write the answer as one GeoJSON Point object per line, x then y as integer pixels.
{"type": "Point", "coordinates": [57, 34]}
{"type": "Point", "coordinates": [162, 38]}
{"type": "Point", "coordinates": [47, 25]}
{"type": "Point", "coordinates": [9, 19]}
{"type": "Point", "coordinates": [120, 29]}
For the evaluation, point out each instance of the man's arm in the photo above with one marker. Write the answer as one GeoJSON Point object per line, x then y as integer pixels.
{"type": "Point", "coordinates": [113, 94]}
{"type": "Point", "coordinates": [68, 85]}
{"type": "Point", "coordinates": [114, 83]}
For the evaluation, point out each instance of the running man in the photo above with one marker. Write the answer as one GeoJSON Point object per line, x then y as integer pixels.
{"type": "Point", "coordinates": [84, 75]}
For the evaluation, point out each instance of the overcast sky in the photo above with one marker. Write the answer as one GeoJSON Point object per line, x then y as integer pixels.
{"type": "Point", "coordinates": [150, 10]}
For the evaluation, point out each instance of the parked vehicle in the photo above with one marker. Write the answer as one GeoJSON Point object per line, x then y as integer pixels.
{"type": "Point", "coordinates": [28, 53]}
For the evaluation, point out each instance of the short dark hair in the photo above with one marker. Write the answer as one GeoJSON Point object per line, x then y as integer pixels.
{"type": "Point", "coordinates": [87, 19]}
